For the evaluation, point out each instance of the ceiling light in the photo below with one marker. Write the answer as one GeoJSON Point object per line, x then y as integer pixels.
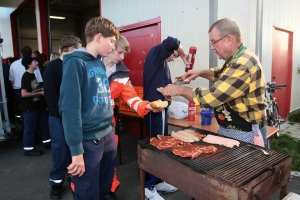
{"type": "Point", "coordinates": [57, 17]}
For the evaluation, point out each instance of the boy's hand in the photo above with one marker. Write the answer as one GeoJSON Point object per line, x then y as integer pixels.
{"type": "Point", "coordinates": [77, 166]}
{"type": "Point", "coordinates": [185, 59]}
{"type": "Point", "coordinates": [148, 107]}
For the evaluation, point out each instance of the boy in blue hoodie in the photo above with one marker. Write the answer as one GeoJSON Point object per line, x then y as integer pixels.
{"type": "Point", "coordinates": [85, 107]}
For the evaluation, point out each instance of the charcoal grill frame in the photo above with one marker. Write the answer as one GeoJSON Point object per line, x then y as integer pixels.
{"type": "Point", "coordinates": [201, 185]}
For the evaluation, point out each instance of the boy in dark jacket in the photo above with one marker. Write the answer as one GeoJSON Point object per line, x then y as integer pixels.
{"type": "Point", "coordinates": [157, 74]}
{"type": "Point", "coordinates": [61, 157]}
{"type": "Point", "coordinates": [85, 107]}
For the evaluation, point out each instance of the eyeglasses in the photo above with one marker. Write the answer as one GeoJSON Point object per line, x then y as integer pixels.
{"type": "Point", "coordinates": [213, 43]}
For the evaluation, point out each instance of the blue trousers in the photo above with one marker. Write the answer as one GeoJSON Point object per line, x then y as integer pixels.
{"type": "Point", "coordinates": [156, 123]}
{"type": "Point", "coordinates": [99, 161]}
{"type": "Point", "coordinates": [30, 118]}
{"type": "Point", "coordinates": [61, 156]}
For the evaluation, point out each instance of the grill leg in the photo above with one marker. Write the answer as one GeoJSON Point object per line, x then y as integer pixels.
{"type": "Point", "coordinates": [142, 183]}
{"type": "Point", "coordinates": [283, 191]}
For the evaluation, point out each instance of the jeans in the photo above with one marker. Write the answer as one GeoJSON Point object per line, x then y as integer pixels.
{"type": "Point", "coordinates": [30, 119]}
{"type": "Point", "coordinates": [61, 156]}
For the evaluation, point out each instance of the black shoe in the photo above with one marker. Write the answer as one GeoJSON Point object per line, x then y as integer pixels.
{"type": "Point", "coordinates": [55, 192]}
{"type": "Point", "coordinates": [112, 196]}
{"type": "Point", "coordinates": [34, 153]}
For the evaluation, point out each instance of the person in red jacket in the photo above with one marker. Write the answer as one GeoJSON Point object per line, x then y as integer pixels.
{"type": "Point", "coordinates": [120, 86]}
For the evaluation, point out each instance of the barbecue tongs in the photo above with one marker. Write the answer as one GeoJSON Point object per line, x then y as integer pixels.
{"type": "Point", "coordinates": [181, 80]}
{"type": "Point", "coordinates": [257, 148]}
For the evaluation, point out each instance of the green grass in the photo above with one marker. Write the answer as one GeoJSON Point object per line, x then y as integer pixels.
{"type": "Point", "coordinates": [287, 144]}
{"type": "Point", "coordinates": [295, 117]}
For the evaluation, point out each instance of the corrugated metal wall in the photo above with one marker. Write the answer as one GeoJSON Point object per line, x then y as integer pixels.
{"type": "Point", "coordinates": [284, 13]}
{"type": "Point", "coordinates": [244, 12]}
{"type": "Point", "coordinates": [189, 21]}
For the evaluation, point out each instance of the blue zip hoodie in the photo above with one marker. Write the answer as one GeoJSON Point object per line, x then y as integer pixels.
{"type": "Point", "coordinates": [84, 103]}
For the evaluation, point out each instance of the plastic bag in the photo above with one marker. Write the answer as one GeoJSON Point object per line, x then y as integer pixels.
{"type": "Point", "coordinates": [178, 110]}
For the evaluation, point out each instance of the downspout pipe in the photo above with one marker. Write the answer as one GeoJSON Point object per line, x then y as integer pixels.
{"type": "Point", "coordinates": [259, 19]}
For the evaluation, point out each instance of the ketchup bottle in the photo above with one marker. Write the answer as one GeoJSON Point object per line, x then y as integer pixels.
{"type": "Point", "coordinates": [191, 111]}
{"type": "Point", "coordinates": [192, 55]}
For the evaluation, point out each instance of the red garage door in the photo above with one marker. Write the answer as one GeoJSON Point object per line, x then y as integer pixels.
{"type": "Point", "coordinates": [142, 37]}
{"type": "Point", "coordinates": [282, 68]}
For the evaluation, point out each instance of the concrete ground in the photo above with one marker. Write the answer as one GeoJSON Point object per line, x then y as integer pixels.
{"type": "Point", "coordinates": [26, 178]}
{"type": "Point", "coordinates": [293, 129]}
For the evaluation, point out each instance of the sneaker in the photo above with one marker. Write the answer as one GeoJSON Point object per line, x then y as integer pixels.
{"type": "Point", "coordinates": [152, 194]}
{"type": "Point", "coordinates": [55, 192]}
{"type": "Point", "coordinates": [164, 187]}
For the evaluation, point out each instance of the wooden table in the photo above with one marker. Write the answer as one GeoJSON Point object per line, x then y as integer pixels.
{"type": "Point", "coordinates": [183, 123]}
{"type": "Point", "coordinates": [119, 113]}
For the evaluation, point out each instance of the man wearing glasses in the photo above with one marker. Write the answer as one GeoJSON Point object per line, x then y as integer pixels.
{"type": "Point", "coordinates": [237, 94]}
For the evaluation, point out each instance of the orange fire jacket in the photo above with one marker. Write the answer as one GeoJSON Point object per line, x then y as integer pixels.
{"type": "Point", "coordinates": [123, 88]}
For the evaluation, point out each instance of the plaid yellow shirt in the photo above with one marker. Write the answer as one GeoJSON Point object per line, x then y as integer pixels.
{"type": "Point", "coordinates": [240, 83]}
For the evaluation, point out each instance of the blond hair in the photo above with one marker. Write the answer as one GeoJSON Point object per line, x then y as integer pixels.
{"type": "Point", "coordinates": [54, 55]}
{"type": "Point", "coordinates": [122, 43]}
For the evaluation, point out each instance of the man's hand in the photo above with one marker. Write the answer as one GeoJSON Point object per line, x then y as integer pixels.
{"type": "Point", "coordinates": [77, 166]}
{"type": "Point", "coordinates": [171, 90]}
{"type": "Point", "coordinates": [191, 75]}
{"type": "Point", "coordinates": [175, 90]}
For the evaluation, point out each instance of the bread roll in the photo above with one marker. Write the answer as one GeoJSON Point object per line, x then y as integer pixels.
{"type": "Point", "coordinates": [159, 104]}
{"type": "Point", "coordinates": [160, 89]}
{"type": "Point", "coordinates": [180, 78]}
{"type": "Point", "coordinates": [168, 98]}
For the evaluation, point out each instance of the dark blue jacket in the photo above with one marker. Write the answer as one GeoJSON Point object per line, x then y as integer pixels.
{"type": "Point", "coordinates": [52, 81]}
{"type": "Point", "coordinates": [156, 71]}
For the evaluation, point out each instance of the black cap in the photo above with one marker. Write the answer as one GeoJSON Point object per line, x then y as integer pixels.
{"type": "Point", "coordinates": [26, 60]}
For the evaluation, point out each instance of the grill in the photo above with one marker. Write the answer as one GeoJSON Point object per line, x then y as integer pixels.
{"type": "Point", "coordinates": [231, 173]}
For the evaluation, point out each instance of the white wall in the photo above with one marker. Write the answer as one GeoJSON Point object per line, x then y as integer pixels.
{"type": "Point", "coordinates": [5, 30]}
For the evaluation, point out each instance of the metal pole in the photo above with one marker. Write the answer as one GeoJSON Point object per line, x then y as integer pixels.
{"type": "Point", "coordinates": [259, 19]}
{"type": "Point", "coordinates": [213, 16]}
{"type": "Point", "coordinates": [3, 135]}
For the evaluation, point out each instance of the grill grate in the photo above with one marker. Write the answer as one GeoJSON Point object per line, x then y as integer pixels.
{"type": "Point", "coordinates": [236, 166]}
